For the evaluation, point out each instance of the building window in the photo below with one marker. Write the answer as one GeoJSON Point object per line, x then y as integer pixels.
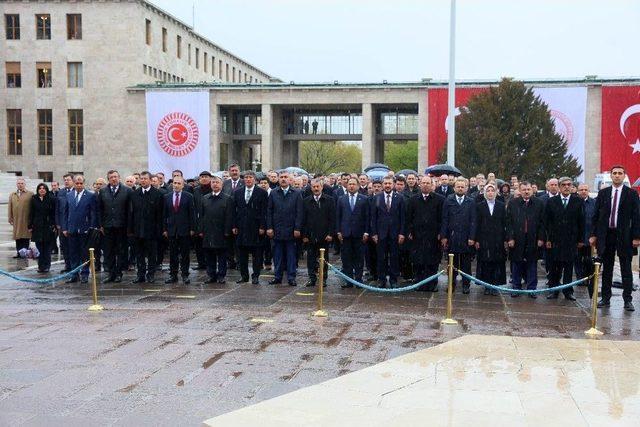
{"type": "Point", "coordinates": [226, 72]}
{"type": "Point", "coordinates": [12, 25]}
{"type": "Point", "coordinates": [189, 53]}
{"type": "Point", "coordinates": [45, 176]}
{"type": "Point", "coordinates": [213, 63]}
{"type": "Point", "coordinates": [164, 39]}
{"type": "Point", "coordinates": [220, 69]}
{"type": "Point", "coordinates": [14, 132]}
{"type": "Point", "coordinates": [43, 27]}
{"type": "Point", "coordinates": [74, 26]}
{"type": "Point", "coordinates": [179, 47]}
{"type": "Point", "coordinates": [205, 62]}
{"type": "Point", "coordinates": [44, 74]}
{"type": "Point", "coordinates": [76, 133]}
{"type": "Point", "coordinates": [155, 72]}
{"type": "Point", "coordinates": [233, 74]}
{"type": "Point", "coordinates": [45, 139]}
{"type": "Point", "coordinates": [144, 69]}
{"type": "Point", "coordinates": [147, 31]}
{"type": "Point", "coordinates": [74, 74]}
{"type": "Point", "coordinates": [197, 57]}
{"type": "Point", "coordinates": [14, 77]}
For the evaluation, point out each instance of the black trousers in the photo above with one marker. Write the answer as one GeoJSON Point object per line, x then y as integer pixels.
{"type": "Point", "coordinates": [462, 262]}
{"type": "Point", "coordinates": [44, 260]}
{"type": "Point", "coordinates": [313, 253]}
{"type": "Point", "coordinates": [371, 254]}
{"type": "Point", "coordinates": [146, 252]}
{"type": "Point", "coordinates": [561, 270]}
{"type": "Point", "coordinates": [266, 250]}
{"type": "Point", "coordinates": [161, 250]}
{"type": "Point", "coordinates": [179, 248]}
{"type": "Point", "coordinates": [422, 271]}
{"type": "Point", "coordinates": [21, 244]}
{"type": "Point", "coordinates": [352, 251]}
{"type": "Point", "coordinates": [115, 250]}
{"type": "Point", "coordinates": [231, 252]}
{"type": "Point", "coordinates": [256, 261]}
{"type": "Point", "coordinates": [64, 247]}
{"type": "Point", "coordinates": [197, 247]}
{"type": "Point", "coordinates": [388, 254]}
{"type": "Point", "coordinates": [608, 258]}
{"type": "Point", "coordinates": [490, 272]}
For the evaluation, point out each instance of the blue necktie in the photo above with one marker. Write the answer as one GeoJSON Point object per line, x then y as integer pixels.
{"type": "Point", "coordinates": [352, 202]}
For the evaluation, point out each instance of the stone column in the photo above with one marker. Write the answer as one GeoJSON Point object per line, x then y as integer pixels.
{"type": "Point", "coordinates": [368, 135]}
{"type": "Point", "coordinates": [215, 136]}
{"type": "Point", "coordinates": [271, 143]}
{"type": "Point", "coordinates": [423, 133]}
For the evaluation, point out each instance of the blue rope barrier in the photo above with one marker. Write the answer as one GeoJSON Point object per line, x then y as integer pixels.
{"type": "Point", "coordinates": [384, 290]}
{"type": "Point", "coordinates": [46, 280]}
{"type": "Point", "coordinates": [521, 291]}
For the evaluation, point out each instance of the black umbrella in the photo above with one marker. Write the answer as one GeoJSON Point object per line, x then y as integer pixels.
{"type": "Point", "coordinates": [406, 172]}
{"type": "Point", "coordinates": [376, 166]}
{"type": "Point", "coordinates": [438, 170]}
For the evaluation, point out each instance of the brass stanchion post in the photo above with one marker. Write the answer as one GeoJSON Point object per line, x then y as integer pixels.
{"type": "Point", "coordinates": [320, 311]}
{"type": "Point", "coordinates": [594, 303]}
{"type": "Point", "coordinates": [448, 320]}
{"type": "Point", "coordinates": [94, 287]}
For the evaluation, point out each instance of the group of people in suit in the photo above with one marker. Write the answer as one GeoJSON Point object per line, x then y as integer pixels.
{"type": "Point", "coordinates": [397, 227]}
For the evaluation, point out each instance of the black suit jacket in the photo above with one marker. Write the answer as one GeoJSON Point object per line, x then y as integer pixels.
{"type": "Point", "coordinates": [146, 213]}
{"type": "Point", "coordinates": [491, 231]}
{"type": "Point", "coordinates": [564, 227]}
{"type": "Point", "coordinates": [318, 221]}
{"type": "Point", "coordinates": [182, 222]}
{"type": "Point", "coordinates": [628, 224]}
{"type": "Point", "coordinates": [113, 208]}
{"type": "Point", "coordinates": [226, 186]}
{"type": "Point", "coordinates": [250, 218]}
{"type": "Point", "coordinates": [449, 191]}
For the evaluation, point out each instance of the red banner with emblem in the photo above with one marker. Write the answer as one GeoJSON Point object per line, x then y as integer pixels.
{"type": "Point", "coordinates": [438, 112]}
{"type": "Point", "coordinates": [621, 129]}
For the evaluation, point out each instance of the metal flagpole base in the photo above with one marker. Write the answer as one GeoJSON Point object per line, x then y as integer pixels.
{"type": "Point", "coordinates": [95, 307]}
{"type": "Point", "coordinates": [594, 332]}
{"type": "Point", "coordinates": [449, 321]}
{"type": "Point", "coordinates": [320, 313]}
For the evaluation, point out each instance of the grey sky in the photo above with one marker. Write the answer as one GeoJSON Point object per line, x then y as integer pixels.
{"type": "Point", "coordinates": [404, 40]}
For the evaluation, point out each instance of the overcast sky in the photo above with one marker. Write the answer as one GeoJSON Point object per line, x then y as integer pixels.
{"type": "Point", "coordinates": [404, 40]}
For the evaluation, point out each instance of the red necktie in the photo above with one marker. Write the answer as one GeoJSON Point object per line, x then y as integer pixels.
{"type": "Point", "coordinates": [614, 207]}
{"type": "Point", "coordinates": [176, 203]}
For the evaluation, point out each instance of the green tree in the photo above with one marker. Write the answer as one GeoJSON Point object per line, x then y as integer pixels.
{"type": "Point", "coordinates": [508, 130]}
{"type": "Point", "coordinates": [401, 155]}
{"type": "Point", "coordinates": [327, 157]}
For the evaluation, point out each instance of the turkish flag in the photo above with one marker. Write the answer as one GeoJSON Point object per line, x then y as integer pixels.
{"type": "Point", "coordinates": [438, 112]}
{"type": "Point", "coordinates": [621, 129]}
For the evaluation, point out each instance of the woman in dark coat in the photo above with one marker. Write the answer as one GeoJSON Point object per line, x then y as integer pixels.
{"type": "Point", "coordinates": [42, 224]}
{"type": "Point", "coordinates": [491, 239]}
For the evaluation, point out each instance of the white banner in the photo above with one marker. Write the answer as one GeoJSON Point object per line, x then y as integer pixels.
{"type": "Point", "coordinates": [568, 106]}
{"type": "Point", "coordinates": [178, 132]}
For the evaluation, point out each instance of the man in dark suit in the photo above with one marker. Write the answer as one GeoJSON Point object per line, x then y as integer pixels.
{"type": "Point", "coordinates": [145, 225]}
{"type": "Point", "coordinates": [525, 234]}
{"type": "Point", "coordinates": [387, 231]}
{"type": "Point", "coordinates": [249, 225]}
{"type": "Point", "coordinates": [370, 249]}
{"type": "Point", "coordinates": [284, 226]}
{"type": "Point", "coordinates": [61, 202]}
{"type": "Point", "coordinates": [443, 188]}
{"type": "Point", "coordinates": [80, 215]}
{"type": "Point", "coordinates": [202, 189]}
{"type": "Point", "coordinates": [583, 264]}
{"type": "Point", "coordinates": [352, 227]}
{"type": "Point", "coordinates": [179, 225]}
{"type": "Point", "coordinates": [459, 228]}
{"type": "Point", "coordinates": [424, 220]}
{"type": "Point", "coordinates": [363, 181]}
{"type": "Point", "coordinates": [564, 229]}
{"type": "Point", "coordinates": [229, 187]}
{"type": "Point", "coordinates": [491, 239]}
{"type": "Point", "coordinates": [616, 229]}
{"type": "Point", "coordinates": [215, 222]}
{"type": "Point", "coordinates": [318, 227]}
{"type": "Point", "coordinates": [113, 207]}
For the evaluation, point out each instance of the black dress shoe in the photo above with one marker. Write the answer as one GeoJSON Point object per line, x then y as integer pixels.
{"type": "Point", "coordinates": [603, 303]}
{"type": "Point", "coordinates": [84, 280]}
{"type": "Point", "coordinates": [628, 306]}
{"type": "Point", "coordinates": [171, 279]}
{"type": "Point", "coordinates": [255, 281]}
{"type": "Point", "coordinates": [533, 296]}
{"type": "Point", "coordinates": [186, 280]}
{"type": "Point", "coordinates": [310, 284]}
{"type": "Point", "coordinates": [292, 283]}
{"type": "Point", "coordinates": [200, 267]}
{"type": "Point", "coordinates": [109, 279]}
{"type": "Point", "coordinates": [210, 281]}
{"type": "Point", "coordinates": [569, 297]}
{"type": "Point", "coordinates": [71, 280]}
{"type": "Point", "coordinates": [242, 280]}
{"type": "Point", "coordinates": [466, 289]}
{"type": "Point", "coordinates": [347, 285]}
{"type": "Point", "coordinates": [553, 295]}
{"type": "Point", "coordinates": [151, 279]}
{"type": "Point", "coordinates": [139, 280]}
{"type": "Point", "coordinates": [64, 270]}
{"type": "Point", "coordinates": [118, 279]}
{"type": "Point", "coordinates": [275, 282]}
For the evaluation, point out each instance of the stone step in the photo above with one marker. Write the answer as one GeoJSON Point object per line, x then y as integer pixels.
{"type": "Point", "coordinates": [8, 185]}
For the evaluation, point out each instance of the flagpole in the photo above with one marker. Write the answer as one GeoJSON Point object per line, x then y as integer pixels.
{"type": "Point", "coordinates": [451, 136]}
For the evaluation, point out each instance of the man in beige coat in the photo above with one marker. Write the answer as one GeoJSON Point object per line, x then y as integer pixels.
{"type": "Point", "coordinates": [19, 209]}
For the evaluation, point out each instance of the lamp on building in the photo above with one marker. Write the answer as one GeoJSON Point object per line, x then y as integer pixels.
{"type": "Point", "coordinates": [19, 141]}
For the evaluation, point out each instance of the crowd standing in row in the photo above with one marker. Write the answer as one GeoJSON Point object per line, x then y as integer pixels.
{"type": "Point", "coordinates": [398, 226]}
